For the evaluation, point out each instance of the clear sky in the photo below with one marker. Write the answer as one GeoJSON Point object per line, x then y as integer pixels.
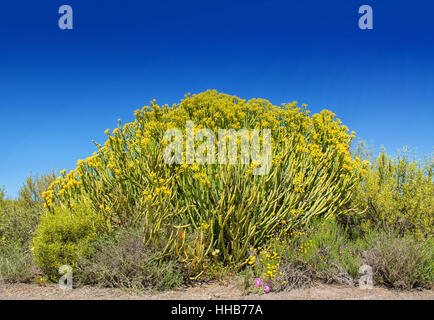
{"type": "Point", "coordinates": [59, 90]}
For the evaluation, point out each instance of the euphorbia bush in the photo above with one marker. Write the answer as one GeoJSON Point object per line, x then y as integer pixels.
{"type": "Point", "coordinates": [215, 210]}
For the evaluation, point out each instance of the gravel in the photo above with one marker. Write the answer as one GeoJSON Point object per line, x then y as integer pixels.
{"type": "Point", "coordinates": [206, 291]}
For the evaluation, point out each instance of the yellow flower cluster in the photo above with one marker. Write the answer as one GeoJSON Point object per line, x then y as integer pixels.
{"type": "Point", "coordinates": [268, 261]}
{"type": "Point", "coordinates": [305, 247]}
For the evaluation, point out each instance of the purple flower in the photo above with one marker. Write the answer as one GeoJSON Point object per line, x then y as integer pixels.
{"type": "Point", "coordinates": [267, 288]}
{"type": "Point", "coordinates": [258, 282]}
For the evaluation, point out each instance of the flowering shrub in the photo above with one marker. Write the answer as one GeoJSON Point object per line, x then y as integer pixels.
{"type": "Point", "coordinates": [266, 261]}
{"type": "Point", "coordinates": [64, 236]}
{"type": "Point", "coordinates": [398, 195]}
{"type": "Point", "coordinates": [197, 209]}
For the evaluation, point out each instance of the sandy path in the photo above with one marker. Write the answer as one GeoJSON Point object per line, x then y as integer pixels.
{"type": "Point", "coordinates": [211, 291]}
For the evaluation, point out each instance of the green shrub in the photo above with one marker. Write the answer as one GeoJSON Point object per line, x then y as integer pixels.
{"type": "Point", "coordinates": [19, 218]}
{"type": "Point", "coordinates": [16, 263]}
{"type": "Point", "coordinates": [122, 260]}
{"type": "Point", "coordinates": [426, 271]}
{"type": "Point", "coordinates": [398, 195]}
{"type": "Point", "coordinates": [64, 236]}
{"type": "Point", "coordinates": [325, 249]}
{"type": "Point", "coordinates": [17, 224]}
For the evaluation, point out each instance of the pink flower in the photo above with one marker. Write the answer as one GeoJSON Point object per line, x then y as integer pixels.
{"type": "Point", "coordinates": [267, 288]}
{"type": "Point", "coordinates": [258, 282]}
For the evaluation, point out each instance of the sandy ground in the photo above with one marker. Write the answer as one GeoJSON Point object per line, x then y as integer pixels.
{"type": "Point", "coordinates": [209, 291]}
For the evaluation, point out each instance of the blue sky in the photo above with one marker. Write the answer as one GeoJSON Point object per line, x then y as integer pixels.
{"type": "Point", "coordinates": [59, 90]}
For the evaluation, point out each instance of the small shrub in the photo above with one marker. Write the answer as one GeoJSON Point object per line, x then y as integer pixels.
{"type": "Point", "coordinates": [295, 274]}
{"type": "Point", "coordinates": [123, 261]}
{"type": "Point", "coordinates": [325, 249]}
{"type": "Point", "coordinates": [426, 275]}
{"type": "Point", "coordinates": [64, 236]}
{"type": "Point", "coordinates": [16, 263]}
{"type": "Point", "coordinates": [400, 262]}
{"type": "Point", "coordinates": [17, 224]}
